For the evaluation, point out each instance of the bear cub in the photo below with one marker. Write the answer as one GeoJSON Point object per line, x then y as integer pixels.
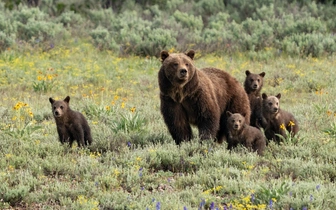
{"type": "Point", "coordinates": [275, 120]}
{"type": "Point", "coordinates": [253, 84]}
{"type": "Point", "coordinates": [71, 125]}
{"type": "Point", "coordinates": [242, 133]}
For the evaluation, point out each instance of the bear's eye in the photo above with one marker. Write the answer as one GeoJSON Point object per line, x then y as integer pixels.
{"type": "Point", "coordinates": [187, 64]}
{"type": "Point", "coordinates": [61, 107]}
{"type": "Point", "coordinates": [54, 107]}
{"type": "Point", "coordinates": [175, 64]}
{"type": "Point", "coordinates": [270, 104]}
{"type": "Point", "coordinates": [239, 121]}
{"type": "Point", "coordinates": [258, 80]}
{"type": "Point", "coordinates": [251, 80]}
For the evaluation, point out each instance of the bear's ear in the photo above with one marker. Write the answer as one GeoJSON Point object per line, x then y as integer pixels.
{"type": "Point", "coordinates": [262, 74]}
{"type": "Point", "coordinates": [164, 54]}
{"type": "Point", "coordinates": [247, 72]}
{"type": "Point", "coordinates": [228, 113]}
{"type": "Point", "coordinates": [191, 54]}
{"type": "Point", "coordinates": [278, 96]}
{"type": "Point", "coordinates": [67, 99]}
{"type": "Point", "coordinates": [264, 96]}
{"type": "Point", "coordinates": [51, 100]}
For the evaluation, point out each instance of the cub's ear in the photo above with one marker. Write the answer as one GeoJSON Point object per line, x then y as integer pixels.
{"type": "Point", "coordinates": [247, 72]}
{"type": "Point", "coordinates": [264, 96]}
{"type": "Point", "coordinates": [51, 100]}
{"type": "Point", "coordinates": [262, 74]}
{"type": "Point", "coordinates": [67, 99]}
{"type": "Point", "coordinates": [278, 96]}
{"type": "Point", "coordinates": [164, 54]}
{"type": "Point", "coordinates": [191, 54]}
{"type": "Point", "coordinates": [228, 113]}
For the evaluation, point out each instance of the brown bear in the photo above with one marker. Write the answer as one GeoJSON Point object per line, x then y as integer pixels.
{"type": "Point", "coordinates": [253, 84]}
{"type": "Point", "coordinates": [192, 96]}
{"type": "Point", "coordinates": [241, 133]}
{"type": "Point", "coordinates": [275, 120]}
{"type": "Point", "coordinates": [71, 125]}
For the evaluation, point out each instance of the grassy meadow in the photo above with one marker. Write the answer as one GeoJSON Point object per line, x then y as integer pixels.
{"type": "Point", "coordinates": [133, 162]}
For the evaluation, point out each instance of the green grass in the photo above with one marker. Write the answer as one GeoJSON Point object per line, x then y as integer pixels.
{"type": "Point", "coordinates": [133, 163]}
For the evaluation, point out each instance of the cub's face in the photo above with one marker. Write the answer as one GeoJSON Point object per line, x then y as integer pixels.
{"type": "Point", "coordinates": [271, 104]}
{"type": "Point", "coordinates": [178, 67]}
{"type": "Point", "coordinates": [254, 81]}
{"type": "Point", "coordinates": [59, 108]}
{"type": "Point", "coordinates": [235, 121]}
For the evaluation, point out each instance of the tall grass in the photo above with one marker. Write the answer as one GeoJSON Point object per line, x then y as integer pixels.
{"type": "Point", "coordinates": [133, 163]}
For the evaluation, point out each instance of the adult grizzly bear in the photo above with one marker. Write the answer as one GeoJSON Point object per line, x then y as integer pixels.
{"type": "Point", "coordinates": [190, 96]}
{"type": "Point", "coordinates": [253, 84]}
{"type": "Point", "coordinates": [71, 125]}
{"type": "Point", "coordinates": [275, 120]}
{"type": "Point", "coordinates": [241, 133]}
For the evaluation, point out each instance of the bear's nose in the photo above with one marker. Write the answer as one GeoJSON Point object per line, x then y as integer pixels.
{"type": "Point", "coordinates": [56, 113]}
{"type": "Point", "coordinates": [275, 109]}
{"type": "Point", "coordinates": [183, 72]}
{"type": "Point", "coordinates": [255, 86]}
{"type": "Point", "coordinates": [235, 126]}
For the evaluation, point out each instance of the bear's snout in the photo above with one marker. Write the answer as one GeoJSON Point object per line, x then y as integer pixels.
{"type": "Point", "coordinates": [56, 113]}
{"type": "Point", "coordinates": [275, 109]}
{"type": "Point", "coordinates": [236, 126]}
{"type": "Point", "coordinates": [183, 72]}
{"type": "Point", "coordinates": [255, 86]}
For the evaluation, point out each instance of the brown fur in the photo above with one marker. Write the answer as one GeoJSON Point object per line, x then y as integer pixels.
{"type": "Point", "coordinates": [190, 96]}
{"type": "Point", "coordinates": [274, 118]}
{"type": "Point", "coordinates": [241, 133]}
{"type": "Point", "coordinates": [253, 85]}
{"type": "Point", "coordinates": [71, 125]}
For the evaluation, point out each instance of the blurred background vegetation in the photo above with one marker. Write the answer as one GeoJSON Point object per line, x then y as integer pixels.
{"type": "Point", "coordinates": [144, 27]}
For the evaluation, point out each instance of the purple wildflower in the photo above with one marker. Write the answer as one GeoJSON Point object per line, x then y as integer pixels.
{"type": "Point", "coordinates": [311, 198]}
{"type": "Point", "coordinates": [158, 206]}
{"type": "Point", "coordinates": [140, 172]}
{"type": "Point", "coordinates": [129, 144]}
{"type": "Point", "coordinates": [202, 204]}
{"type": "Point", "coordinates": [252, 198]}
{"type": "Point", "coordinates": [185, 208]}
{"type": "Point", "coordinates": [318, 187]}
{"type": "Point", "coordinates": [212, 205]}
{"type": "Point", "coordinates": [270, 204]}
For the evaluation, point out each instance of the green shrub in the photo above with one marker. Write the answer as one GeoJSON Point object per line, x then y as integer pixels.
{"type": "Point", "coordinates": [34, 25]}
{"type": "Point", "coordinates": [314, 44]}
{"type": "Point", "coordinates": [70, 19]}
{"type": "Point", "coordinates": [102, 39]}
{"type": "Point", "coordinates": [7, 32]}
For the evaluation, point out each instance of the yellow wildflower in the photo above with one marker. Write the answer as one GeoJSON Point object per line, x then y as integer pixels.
{"type": "Point", "coordinates": [133, 109]}
{"type": "Point", "coordinates": [282, 126]}
{"type": "Point", "coordinates": [291, 123]}
{"type": "Point", "coordinates": [329, 112]}
{"type": "Point", "coordinates": [50, 77]}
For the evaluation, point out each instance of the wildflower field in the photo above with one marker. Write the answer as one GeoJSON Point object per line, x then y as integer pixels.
{"type": "Point", "coordinates": [133, 162]}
